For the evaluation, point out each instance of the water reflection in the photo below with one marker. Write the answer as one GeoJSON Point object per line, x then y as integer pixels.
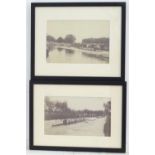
{"type": "Point", "coordinates": [100, 57]}
{"type": "Point", "coordinates": [69, 51]}
{"type": "Point", "coordinates": [60, 49]}
{"type": "Point", "coordinates": [62, 55]}
{"type": "Point", "coordinates": [49, 49]}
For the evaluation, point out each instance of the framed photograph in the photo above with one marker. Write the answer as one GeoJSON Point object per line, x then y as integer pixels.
{"type": "Point", "coordinates": [78, 40]}
{"type": "Point", "coordinates": [78, 116]}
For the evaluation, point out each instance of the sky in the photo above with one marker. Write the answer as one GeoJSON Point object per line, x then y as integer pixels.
{"type": "Point", "coordinates": [81, 103]}
{"type": "Point", "coordinates": [79, 28]}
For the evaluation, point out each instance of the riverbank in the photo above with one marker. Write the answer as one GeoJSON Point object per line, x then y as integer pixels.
{"type": "Point", "coordinates": [92, 127]}
{"type": "Point", "coordinates": [104, 54]}
{"type": "Point", "coordinates": [61, 54]}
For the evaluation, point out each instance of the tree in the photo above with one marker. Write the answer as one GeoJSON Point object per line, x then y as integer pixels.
{"type": "Point", "coordinates": [64, 106]}
{"type": "Point", "coordinates": [60, 40]}
{"type": "Point", "coordinates": [49, 105]}
{"type": "Point", "coordinates": [70, 38]}
{"type": "Point", "coordinates": [50, 38]}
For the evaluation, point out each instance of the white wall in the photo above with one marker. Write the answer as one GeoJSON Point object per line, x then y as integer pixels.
{"type": "Point", "coordinates": [29, 152]}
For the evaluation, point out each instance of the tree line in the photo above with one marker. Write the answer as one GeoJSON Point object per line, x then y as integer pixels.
{"type": "Point", "coordinates": [60, 110]}
{"type": "Point", "coordinates": [68, 39]}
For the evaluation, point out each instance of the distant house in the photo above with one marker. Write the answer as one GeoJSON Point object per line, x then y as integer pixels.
{"type": "Point", "coordinates": [96, 43]}
{"type": "Point", "coordinates": [77, 45]}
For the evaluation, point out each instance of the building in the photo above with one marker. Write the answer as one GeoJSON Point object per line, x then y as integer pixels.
{"type": "Point", "coordinates": [96, 44]}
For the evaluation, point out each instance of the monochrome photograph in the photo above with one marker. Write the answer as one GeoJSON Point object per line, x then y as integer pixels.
{"type": "Point", "coordinates": [77, 41]}
{"type": "Point", "coordinates": [77, 116]}
{"type": "Point", "coordinates": [73, 47]}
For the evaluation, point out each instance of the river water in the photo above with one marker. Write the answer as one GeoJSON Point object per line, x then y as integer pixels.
{"type": "Point", "coordinates": [60, 55]}
{"type": "Point", "coordinates": [86, 128]}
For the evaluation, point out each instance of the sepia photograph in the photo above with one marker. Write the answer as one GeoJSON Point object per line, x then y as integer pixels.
{"type": "Point", "coordinates": [78, 41]}
{"type": "Point", "coordinates": [77, 116]}
{"type": "Point", "coordinates": [77, 88]}
{"type": "Point", "coordinates": [81, 41]}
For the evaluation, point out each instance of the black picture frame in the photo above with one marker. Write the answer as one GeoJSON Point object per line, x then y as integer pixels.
{"type": "Point", "coordinates": [79, 4]}
{"type": "Point", "coordinates": [70, 82]}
